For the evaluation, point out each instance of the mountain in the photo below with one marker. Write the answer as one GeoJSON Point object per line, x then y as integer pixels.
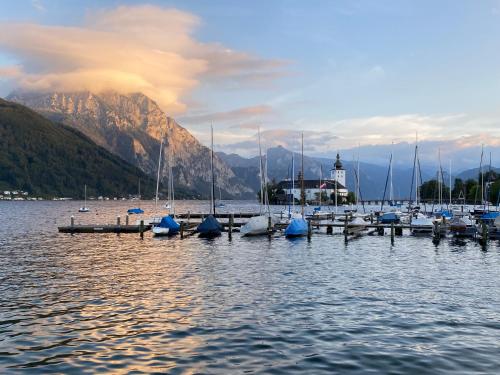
{"type": "Point", "coordinates": [474, 173]}
{"type": "Point", "coordinates": [372, 177]}
{"type": "Point", "coordinates": [48, 159]}
{"type": "Point", "coordinates": [130, 126]}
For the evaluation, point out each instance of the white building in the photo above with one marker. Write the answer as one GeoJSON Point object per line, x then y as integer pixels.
{"type": "Point", "coordinates": [313, 188]}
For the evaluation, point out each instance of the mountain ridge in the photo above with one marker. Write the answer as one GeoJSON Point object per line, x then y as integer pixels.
{"type": "Point", "coordinates": [131, 127]}
{"type": "Point", "coordinates": [49, 159]}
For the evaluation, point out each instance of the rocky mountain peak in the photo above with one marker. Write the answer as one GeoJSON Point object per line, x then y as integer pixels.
{"type": "Point", "coordinates": [131, 126]}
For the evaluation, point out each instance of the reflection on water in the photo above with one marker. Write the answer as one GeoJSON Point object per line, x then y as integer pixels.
{"type": "Point", "coordinates": [108, 303]}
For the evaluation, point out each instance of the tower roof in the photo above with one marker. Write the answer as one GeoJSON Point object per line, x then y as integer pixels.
{"type": "Point", "coordinates": [338, 163]}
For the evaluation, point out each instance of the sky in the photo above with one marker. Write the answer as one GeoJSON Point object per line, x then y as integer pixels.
{"type": "Point", "coordinates": [346, 73]}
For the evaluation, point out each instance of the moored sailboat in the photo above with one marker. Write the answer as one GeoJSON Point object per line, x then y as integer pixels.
{"type": "Point", "coordinates": [262, 224]}
{"type": "Point", "coordinates": [210, 227]}
{"type": "Point", "coordinates": [84, 209]}
{"type": "Point", "coordinates": [298, 226]}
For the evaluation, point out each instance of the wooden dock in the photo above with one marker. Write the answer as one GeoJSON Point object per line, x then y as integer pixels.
{"type": "Point", "coordinates": [103, 228]}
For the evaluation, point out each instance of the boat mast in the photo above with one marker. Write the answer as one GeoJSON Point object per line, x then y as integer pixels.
{"type": "Point", "coordinates": [336, 176]}
{"type": "Point", "coordinates": [261, 174]}
{"type": "Point", "coordinates": [266, 198]}
{"type": "Point", "coordinates": [450, 183]}
{"type": "Point", "coordinates": [212, 191]}
{"type": "Point", "coordinates": [482, 175]}
{"type": "Point", "coordinates": [391, 192]}
{"type": "Point", "coordinates": [416, 170]}
{"type": "Point", "coordinates": [320, 177]}
{"type": "Point", "coordinates": [302, 190]}
{"type": "Point", "coordinates": [171, 182]}
{"type": "Point", "coordinates": [159, 166]}
{"type": "Point", "coordinates": [293, 181]}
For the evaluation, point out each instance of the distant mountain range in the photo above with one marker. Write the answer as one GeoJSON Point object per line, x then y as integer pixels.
{"type": "Point", "coordinates": [48, 159]}
{"type": "Point", "coordinates": [372, 177]}
{"type": "Point", "coordinates": [131, 126]}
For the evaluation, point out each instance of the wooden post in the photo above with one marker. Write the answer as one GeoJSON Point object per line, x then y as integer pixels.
{"type": "Point", "coordinates": [392, 232]}
{"type": "Point", "coordinates": [182, 229]}
{"type": "Point", "coordinates": [484, 234]}
{"type": "Point", "coordinates": [345, 229]}
{"type": "Point", "coordinates": [118, 220]}
{"type": "Point", "coordinates": [230, 227]}
{"type": "Point", "coordinates": [72, 221]}
{"type": "Point", "coordinates": [371, 217]}
{"type": "Point", "coordinates": [126, 219]}
{"type": "Point", "coordinates": [269, 226]}
{"type": "Point", "coordinates": [309, 229]}
{"type": "Point", "coordinates": [189, 216]}
{"type": "Point", "coordinates": [437, 232]}
{"type": "Point", "coordinates": [141, 229]}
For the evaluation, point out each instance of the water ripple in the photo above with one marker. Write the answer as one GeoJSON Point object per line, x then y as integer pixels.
{"type": "Point", "coordinates": [116, 304]}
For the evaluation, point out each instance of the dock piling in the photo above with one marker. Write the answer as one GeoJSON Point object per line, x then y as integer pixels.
{"type": "Point", "coordinates": [269, 226]}
{"type": "Point", "coordinates": [141, 229]}
{"type": "Point", "coordinates": [230, 227]}
{"type": "Point", "coordinates": [126, 219]}
{"type": "Point", "coordinates": [392, 232]}
{"type": "Point", "coordinates": [309, 229]}
{"type": "Point", "coordinates": [182, 229]}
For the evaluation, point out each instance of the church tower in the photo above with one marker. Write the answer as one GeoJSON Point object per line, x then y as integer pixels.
{"type": "Point", "coordinates": [338, 172]}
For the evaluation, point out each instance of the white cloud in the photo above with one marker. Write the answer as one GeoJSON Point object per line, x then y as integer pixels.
{"type": "Point", "coordinates": [129, 49]}
{"type": "Point", "coordinates": [37, 4]}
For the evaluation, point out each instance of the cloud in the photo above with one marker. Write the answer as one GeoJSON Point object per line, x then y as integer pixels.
{"type": "Point", "coordinates": [454, 131]}
{"type": "Point", "coordinates": [237, 115]}
{"type": "Point", "coordinates": [37, 4]}
{"type": "Point", "coordinates": [145, 49]}
{"type": "Point", "coordinates": [10, 71]}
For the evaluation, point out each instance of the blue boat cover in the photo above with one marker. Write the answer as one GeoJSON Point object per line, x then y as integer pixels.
{"type": "Point", "coordinates": [135, 211]}
{"type": "Point", "coordinates": [389, 217]}
{"type": "Point", "coordinates": [170, 223]}
{"type": "Point", "coordinates": [209, 226]}
{"type": "Point", "coordinates": [490, 215]}
{"type": "Point", "coordinates": [296, 228]}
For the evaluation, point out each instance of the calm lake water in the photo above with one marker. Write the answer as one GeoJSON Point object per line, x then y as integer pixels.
{"type": "Point", "coordinates": [116, 304]}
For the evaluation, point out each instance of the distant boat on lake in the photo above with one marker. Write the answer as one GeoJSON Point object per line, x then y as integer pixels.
{"type": "Point", "coordinates": [84, 208]}
{"type": "Point", "coordinates": [136, 210]}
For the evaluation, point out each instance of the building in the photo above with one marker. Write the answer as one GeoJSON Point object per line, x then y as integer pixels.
{"type": "Point", "coordinates": [313, 188]}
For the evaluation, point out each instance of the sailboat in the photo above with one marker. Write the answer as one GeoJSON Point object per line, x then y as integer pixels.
{"type": "Point", "coordinates": [421, 223]}
{"type": "Point", "coordinates": [220, 204]}
{"type": "Point", "coordinates": [298, 226]}
{"type": "Point", "coordinates": [136, 210]}
{"type": "Point", "coordinates": [258, 225]}
{"type": "Point", "coordinates": [84, 208]}
{"type": "Point", "coordinates": [168, 226]}
{"type": "Point", "coordinates": [210, 227]}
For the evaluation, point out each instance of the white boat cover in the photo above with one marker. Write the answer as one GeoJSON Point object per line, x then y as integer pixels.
{"type": "Point", "coordinates": [257, 225]}
{"type": "Point", "coordinates": [160, 231]}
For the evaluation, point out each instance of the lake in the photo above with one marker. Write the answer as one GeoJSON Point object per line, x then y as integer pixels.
{"type": "Point", "coordinates": [118, 304]}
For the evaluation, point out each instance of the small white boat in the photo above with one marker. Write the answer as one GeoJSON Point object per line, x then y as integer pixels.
{"type": "Point", "coordinates": [422, 225]}
{"type": "Point", "coordinates": [257, 225]}
{"type": "Point", "coordinates": [160, 231]}
{"type": "Point", "coordinates": [84, 208]}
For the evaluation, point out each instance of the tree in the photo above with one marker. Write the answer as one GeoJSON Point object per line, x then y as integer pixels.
{"type": "Point", "coordinates": [458, 189]}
